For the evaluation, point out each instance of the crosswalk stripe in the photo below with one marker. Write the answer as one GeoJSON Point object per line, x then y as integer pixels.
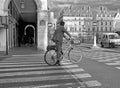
{"type": "Point", "coordinates": [35, 68]}
{"type": "Point", "coordinates": [50, 86]}
{"type": "Point", "coordinates": [117, 61]}
{"type": "Point", "coordinates": [85, 75]}
{"type": "Point", "coordinates": [38, 72]}
{"type": "Point", "coordinates": [101, 58]}
{"type": "Point", "coordinates": [93, 83]}
{"type": "Point", "coordinates": [46, 78]}
{"type": "Point", "coordinates": [117, 67]}
{"type": "Point", "coordinates": [23, 65]}
{"type": "Point", "coordinates": [113, 63]}
{"type": "Point", "coordinates": [97, 58]}
{"type": "Point", "coordinates": [16, 63]}
{"type": "Point", "coordinates": [26, 79]}
{"type": "Point", "coordinates": [107, 60]}
{"type": "Point", "coordinates": [26, 55]}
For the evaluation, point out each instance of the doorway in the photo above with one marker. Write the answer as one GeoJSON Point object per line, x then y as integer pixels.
{"type": "Point", "coordinates": [29, 35]}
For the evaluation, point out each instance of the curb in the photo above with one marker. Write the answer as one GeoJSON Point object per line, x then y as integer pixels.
{"type": "Point", "coordinates": [83, 85]}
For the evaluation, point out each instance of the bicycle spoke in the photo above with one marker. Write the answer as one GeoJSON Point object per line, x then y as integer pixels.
{"type": "Point", "coordinates": [50, 57]}
{"type": "Point", "coordinates": [75, 56]}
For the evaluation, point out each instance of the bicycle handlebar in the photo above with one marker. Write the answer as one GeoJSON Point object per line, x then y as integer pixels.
{"type": "Point", "coordinates": [72, 41]}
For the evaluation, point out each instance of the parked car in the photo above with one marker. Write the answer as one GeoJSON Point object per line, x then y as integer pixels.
{"type": "Point", "coordinates": [110, 40]}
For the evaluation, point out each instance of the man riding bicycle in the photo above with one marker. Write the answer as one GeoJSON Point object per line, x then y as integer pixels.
{"type": "Point", "coordinates": [58, 38]}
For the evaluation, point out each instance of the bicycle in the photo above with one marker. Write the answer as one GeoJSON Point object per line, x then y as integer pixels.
{"type": "Point", "coordinates": [74, 56]}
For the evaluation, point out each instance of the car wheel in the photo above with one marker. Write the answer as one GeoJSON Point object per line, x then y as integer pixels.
{"type": "Point", "coordinates": [111, 45]}
{"type": "Point", "coordinates": [102, 44]}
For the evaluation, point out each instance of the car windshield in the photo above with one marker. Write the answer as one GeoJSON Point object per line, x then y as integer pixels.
{"type": "Point", "coordinates": [113, 36]}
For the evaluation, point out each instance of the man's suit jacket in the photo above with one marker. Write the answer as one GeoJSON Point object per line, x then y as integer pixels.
{"type": "Point", "coordinates": [59, 33]}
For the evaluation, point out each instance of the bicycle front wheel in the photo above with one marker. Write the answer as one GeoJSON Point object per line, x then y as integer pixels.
{"type": "Point", "coordinates": [50, 57]}
{"type": "Point", "coordinates": [74, 55]}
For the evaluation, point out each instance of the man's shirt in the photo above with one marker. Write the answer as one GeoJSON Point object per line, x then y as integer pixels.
{"type": "Point", "coordinates": [59, 33]}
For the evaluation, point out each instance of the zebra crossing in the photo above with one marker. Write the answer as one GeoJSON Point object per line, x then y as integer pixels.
{"type": "Point", "coordinates": [110, 59]}
{"type": "Point", "coordinates": [21, 72]}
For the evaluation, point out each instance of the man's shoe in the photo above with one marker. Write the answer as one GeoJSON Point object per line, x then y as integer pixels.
{"type": "Point", "coordinates": [58, 63]}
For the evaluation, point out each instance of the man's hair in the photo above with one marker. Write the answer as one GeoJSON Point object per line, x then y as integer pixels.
{"type": "Point", "coordinates": [62, 23]}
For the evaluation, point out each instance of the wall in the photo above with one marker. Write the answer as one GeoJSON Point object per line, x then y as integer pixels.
{"type": "Point", "coordinates": [2, 39]}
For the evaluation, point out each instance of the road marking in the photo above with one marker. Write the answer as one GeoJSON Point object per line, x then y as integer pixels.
{"type": "Point", "coordinates": [29, 79]}
{"type": "Point", "coordinates": [49, 86]}
{"type": "Point", "coordinates": [40, 68]}
{"type": "Point", "coordinates": [117, 67]}
{"type": "Point", "coordinates": [27, 55]}
{"type": "Point", "coordinates": [38, 72]}
{"type": "Point", "coordinates": [107, 60]}
{"type": "Point", "coordinates": [28, 62]}
{"type": "Point", "coordinates": [84, 75]}
{"type": "Point", "coordinates": [117, 61]}
{"type": "Point", "coordinates": [93, 83]}
{"type": "Point", "coordinates": [97, 58]}
{"type": "Point", "coordinates": [112, 63]}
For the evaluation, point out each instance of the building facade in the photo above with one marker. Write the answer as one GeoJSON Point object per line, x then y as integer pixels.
{"type": "Point", "coordinates": [18, 16]}
{"type": "Point", "coordinates": [87, 20]}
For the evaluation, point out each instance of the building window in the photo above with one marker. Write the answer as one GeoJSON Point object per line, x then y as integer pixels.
{"type": "Point", "coordinates": [75, 29]}
{"type": "Point", "coordinates": [106, 23]}
{"type": "Point", "coordinates": [101, 23]}
{"type": "Point", "coordinates": [110, 23]}
{"type": "Point", "coordinates": [79, 23]}
{"type": "Point", "coordinates": [101, 28]}
{"type": "Point", "coordinates": [97, 28]}
{"type": "Point", "coordinates": [22, 4]}
{"type": "Point", "coordinates": [110, 29]}
{"type": "Point", "coordinates": [79, 29]}
{"type": "Point", "coordinates": [93, 29]}
{"type": "Point", "coordinates": [106, 28]}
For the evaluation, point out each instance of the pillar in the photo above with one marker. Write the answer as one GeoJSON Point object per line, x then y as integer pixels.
{"type": "Point", "coordinates": [42, 39]}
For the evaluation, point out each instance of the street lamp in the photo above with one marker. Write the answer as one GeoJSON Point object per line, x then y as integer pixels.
{"type": "Point", "coordinates": [94, 35]}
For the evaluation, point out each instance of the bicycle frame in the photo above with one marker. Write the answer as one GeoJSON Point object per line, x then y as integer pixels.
{"type": "Point", "coordinates": [68, 48]}
{"type": "Point", "coordinates": [69, 45]}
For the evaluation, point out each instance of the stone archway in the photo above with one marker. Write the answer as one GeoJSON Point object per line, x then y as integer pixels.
{"type": "Point", "coordinates": [42, 14]}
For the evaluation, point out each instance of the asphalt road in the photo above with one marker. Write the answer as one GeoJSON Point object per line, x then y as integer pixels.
{"type": "Point", "coordinates": [103, 65]}
{"type": "Point", "coordinates": [99, 68]}
{"type": "Point", "coordinates": [30, 71]}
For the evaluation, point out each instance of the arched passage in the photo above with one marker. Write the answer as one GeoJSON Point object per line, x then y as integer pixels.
{"type": "Point", "coordinates": [41, 13]}
{"type": "Point", "coordinates": [29, 32]}
{"type": "Point", "coordinates": [28, 15]}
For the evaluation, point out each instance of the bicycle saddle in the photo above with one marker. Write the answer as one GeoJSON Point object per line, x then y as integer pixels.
{"type": "Point", "coordinates": [51, 47]}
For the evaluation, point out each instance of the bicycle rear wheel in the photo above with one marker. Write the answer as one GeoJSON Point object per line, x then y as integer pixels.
{"type": "Point", "coordinates": [50, 57]}
{"type": "Point", "coordinates": [74, 55]}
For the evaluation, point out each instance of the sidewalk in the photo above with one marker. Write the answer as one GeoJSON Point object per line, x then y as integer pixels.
{"type": "Point", "coordinates": [24, 50]}
{"type": "Point", "coordinates": [27, 50]}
